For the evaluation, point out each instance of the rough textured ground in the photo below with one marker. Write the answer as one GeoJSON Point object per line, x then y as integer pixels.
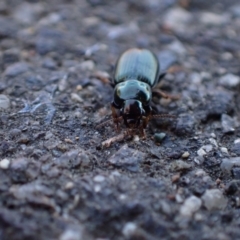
{"type": "Point", "coordinates": [56, 179]}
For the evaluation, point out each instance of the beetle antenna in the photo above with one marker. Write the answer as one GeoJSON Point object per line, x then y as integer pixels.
{"type": "Point", "coordinates": [162, 116]}
{"type": "Point", "coordinates": [104, 123]}
{"type": "Point", "coordinates": [109, 121]}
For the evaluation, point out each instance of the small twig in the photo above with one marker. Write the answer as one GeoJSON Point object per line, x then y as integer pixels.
{"type": "Point", "coordinates": [117, 138]}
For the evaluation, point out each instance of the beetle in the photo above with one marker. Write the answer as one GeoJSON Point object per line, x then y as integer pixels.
{"type": "Point", "coordinates": [137, 71]}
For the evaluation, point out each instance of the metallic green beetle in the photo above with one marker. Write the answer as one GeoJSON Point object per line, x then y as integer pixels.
{"type": "Point", "coordinates": [136, 72]}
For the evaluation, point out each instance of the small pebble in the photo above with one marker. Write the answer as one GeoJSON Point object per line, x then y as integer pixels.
{"type": "Point", "coordinates": [69, 185]}
{"type": "Point", "coordinates": [218, 103]}
{"type": "Point", "coordinates": [233, 187]}
{"type": "Point", "coordinates": [16, 69]}
{"type": "Point", "coordinates": [185, 155]}
{"type": "Point", "coordinates": [103, 76]}
{"type": "Point", "coordinates": [206, 76]}
{"type": "Point", "coordinates": [229, 80]}
{"type": "Point", "coordinates": [175, 178]}
{"type": "Point", "coordinates": [90, 21]}
{"type": "Point", "coordinates": [127, 158]}
{"type": "Point", "coordinates": [227, 56]}
{"type": "Point", "coordinates": [10, 56]}
{"type": "Point", "coordinates": [207, 148]}
{"type": "Point", "coordinates": [201, 152]}
{"type": "Point", "coordinates": [67, 140]}
{"type": "Point", "coordinates": [87, 65]}
{"type": "Point", "coordinates": [129, 229]}
{"type": "Point", "coordinates": [213, 142]}
{"type": "Point", "coordinates": [71, 234]}
{"type": "Point", "coordinates": [236, 148]}
{"type": "Point", "coordinates": [99, 178]}
{"type": "Point", "coordinates": [213, 135]}
{"type": "Point", "coordinates": [178, 198]}
{"type": "Point", "coordinates": [50, 19]}
{"type": "Point", "coordinates": [213, 199]}
{"type": "Point", "coordinates": [49, 63]}
{"type": "Point", "coordinates": [4, 164]}
{"type": "Point", "coordinates": [158, 137]}
{"type": "Point", "coordinates": [63, 83]}
{"type": "Point", "coordinates": [199, 160]}
{"type": "Point", "coordinates": [185, 124]}
{"type": "Point", "coordinates": [136, 138]}
{"type": "Point", "coordinates": [224, 150]}
{"type": "Point", "coordinates": [200, 173]}
{"type": "Point", "coordinates": [23, 139]}
{"type": "Point", "coordinates": [237, 141]}
{"type": "Point", "coordinates": [235, 9]}
{"type": "Point", "coordinates": [191, 205]}
{"type": "Point", "coordinates": [123, 30]}
{"type": "Point", "coordinates": [76, 98]}
{"type": "Point", "coordinates": [178, 48]}
{"type": "Point", "coordinates": [177, 19]}
{"type": "Point", "coordinates": [198, 217]}
{"type": "Point", "coordinates": [167, 58]}
{"type": "Point", "coordinates": [195, 78]}
{"type": "Point", "coordinates": [228, 163]}
{"type": "Point", "coordinates": [4, 102]}
{"type": "Point", "coordinates": [180, 165]}
{"type": "Point", "coordinates": [213, 19]}
{"type": "Point", "coordinates": [228, 124]}
{"type": "Point", "coordinates": [236, 173]}
{"type": "Point", "coordinates": [27, 13]}
{"type": "Point", "coordinates": [79, 87]}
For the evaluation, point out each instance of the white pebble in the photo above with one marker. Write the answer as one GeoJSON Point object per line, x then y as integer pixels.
{"type": "Point", "coordinates": [200, 173]}
{"type": "Point", "coordinates": [229, 80]}
{"type": "Point", "coordinates": [4, 164]}
{"type": "Point", "coordinates": [87, 65]}
{"type": "Point", "coordinates": [207, 148]}
{"type": "Point", "coordinates": [71, 234]}
{"type": "Point", "coordinates": [213, 142]}
{"type": "Point", "coordinates": [190, 206]}
{"type": "Point", "coordinates": [213, 19]}
{"type": "Point", "coordinates": [228, 163]}
{"type": "Point", "coordinates": [214, 199]}
{"type": "Point", "coordinates": [129, 229]}
{"type": "Point", "coordinates": [237, 140]}
{"type": "Point", "coordinates": [224, 150]}
{"type": "Point", "coordinates": [185, 155]}
{"type": "Point", "coordinates": [99, 178]}
{"type": "Point", "coordinates": [76, 98]}
{"type": "Point", "coordinates": [201, 152]}
{"type": "Point", "coordinates": [177, 19]}
{"type": "Point", "coordinates": [213, 135]}
{"type": "Point", "coordinates": [4, 102]}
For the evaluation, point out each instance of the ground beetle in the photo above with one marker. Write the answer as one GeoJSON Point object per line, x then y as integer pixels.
{"type": "Point", "coordinates": [136, 72]}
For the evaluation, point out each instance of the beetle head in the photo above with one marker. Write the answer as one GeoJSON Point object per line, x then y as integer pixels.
{"type": "Point", "coordinates": [132, 112]}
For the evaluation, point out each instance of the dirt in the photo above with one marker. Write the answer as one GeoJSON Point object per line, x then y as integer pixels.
{"type": "Point", "coordinates": [59, 181]}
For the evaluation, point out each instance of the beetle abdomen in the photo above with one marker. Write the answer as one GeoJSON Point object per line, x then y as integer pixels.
{"type": "Point", "coordinates": [139, 64]}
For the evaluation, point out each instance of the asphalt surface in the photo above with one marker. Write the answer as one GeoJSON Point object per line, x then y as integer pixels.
{"type": "Point", "coordinates": [58, 177]}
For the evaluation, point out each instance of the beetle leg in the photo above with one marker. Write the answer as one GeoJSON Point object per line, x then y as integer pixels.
{"type": "Point", "coordinates": [145, 121]}
{"type": "Point", "coordinates": [161, 76]}
{"type": "Point", "coordinates": [165, 95]}
{"type": "Point", "coordinates": [142, 132]}
{"type": "Point", "coordinates": [115, 117]}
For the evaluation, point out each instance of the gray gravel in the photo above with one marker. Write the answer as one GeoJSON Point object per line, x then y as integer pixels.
{"type": "Point", "coordinates": [58, 181]}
